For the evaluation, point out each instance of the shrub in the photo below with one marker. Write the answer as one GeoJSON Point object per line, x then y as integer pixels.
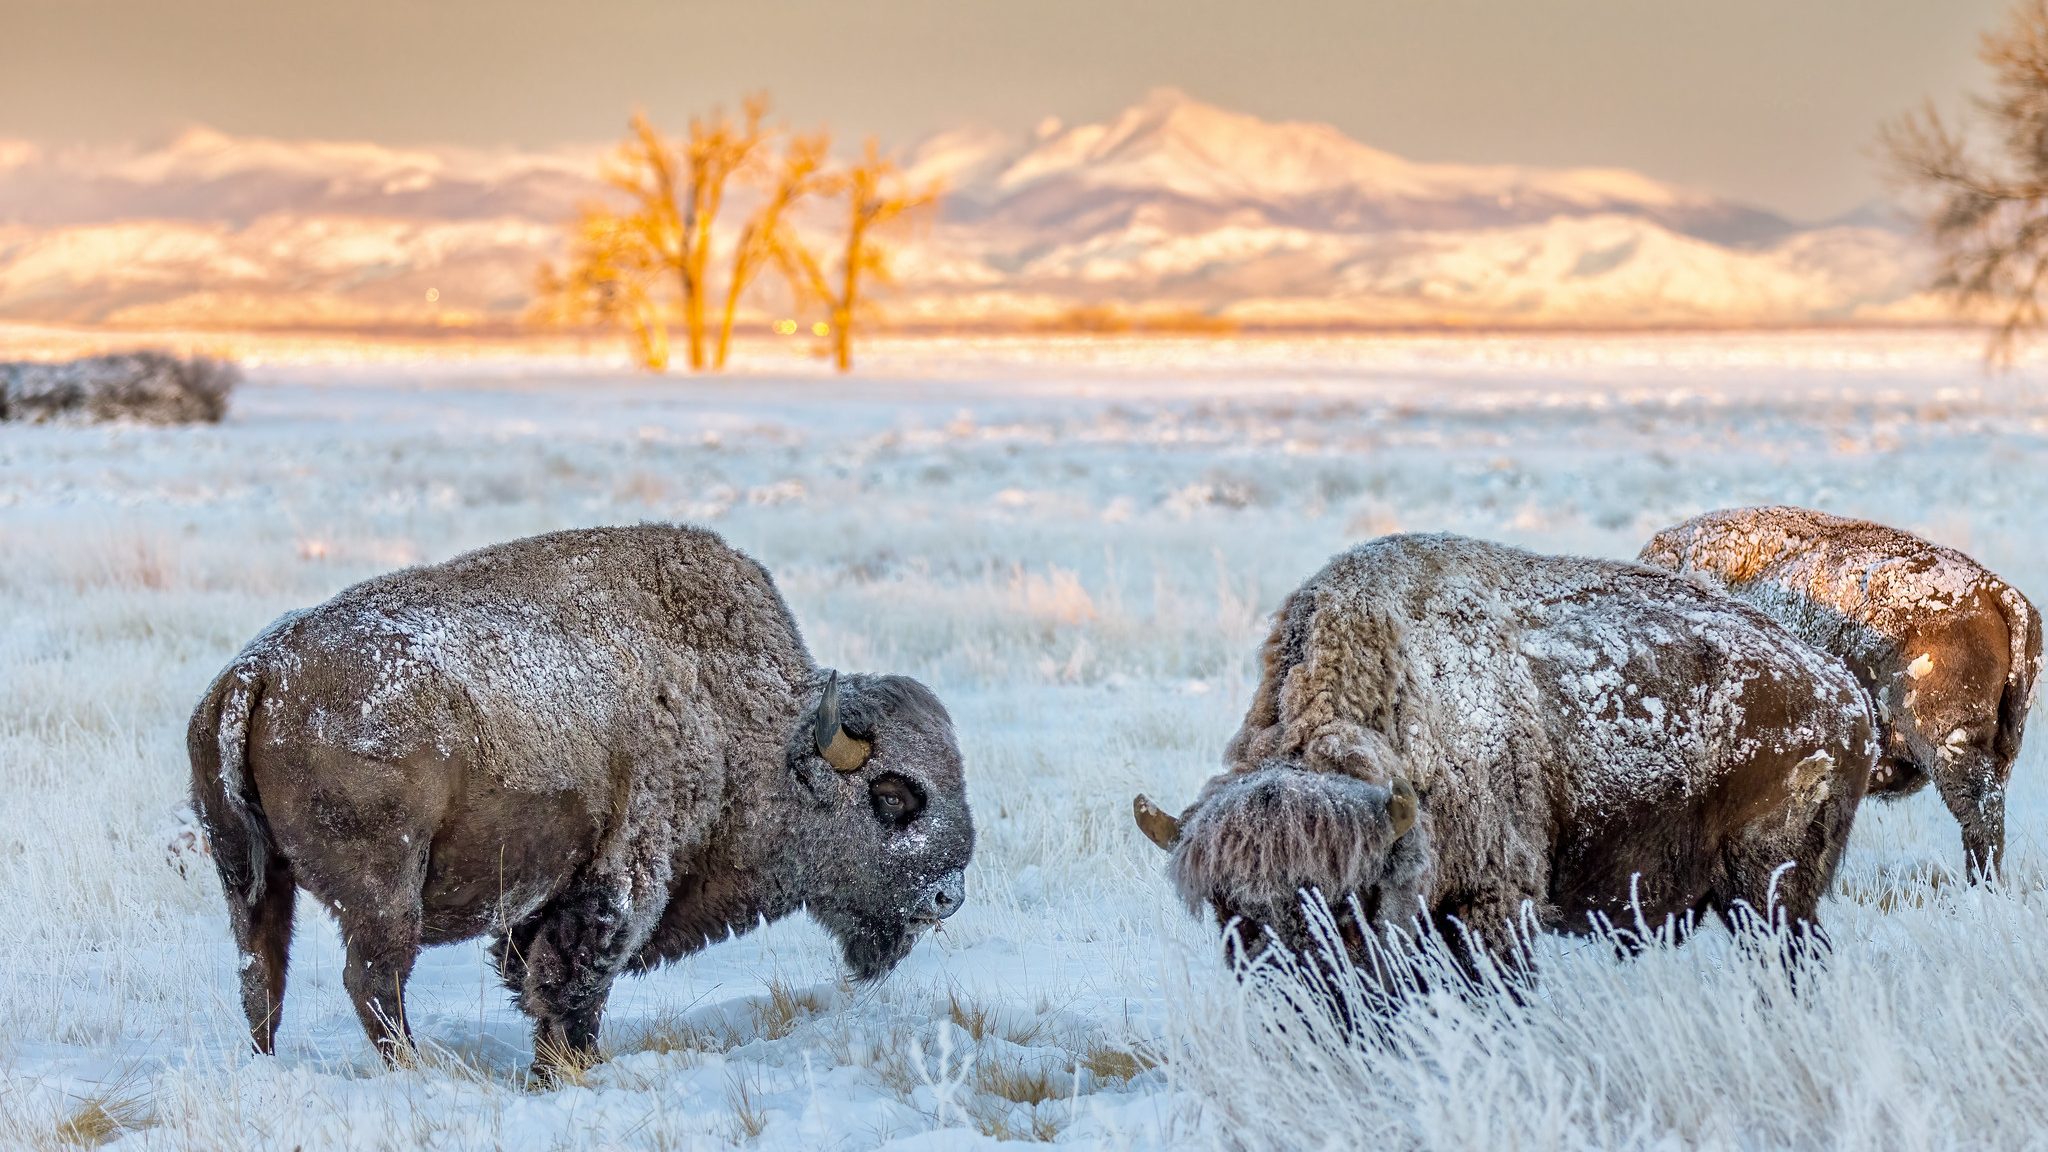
{"type": "Point", "coordinates": [147, 387]}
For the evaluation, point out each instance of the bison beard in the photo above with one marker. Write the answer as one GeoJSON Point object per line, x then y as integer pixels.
{"type": "Point", "coordinates": [1258, 841]}
{"type": "Point", "coordinates": [872, 947]}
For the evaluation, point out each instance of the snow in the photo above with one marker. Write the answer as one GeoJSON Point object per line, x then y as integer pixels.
{"type": "Point", "coordinates": [1192, 207]}
{"type": "Point", "coordinates": [1075, 543]}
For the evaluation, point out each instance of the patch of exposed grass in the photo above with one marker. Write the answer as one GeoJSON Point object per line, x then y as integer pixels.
{"type": "Point", "coordinates": [1017, 1081]}
{"type": "Point", "coordinates": [891, 1063]}
{"type": "Point", "coordinates": [1915, 889]}
{"type": "Point", "coordinates": [105, 1116]}
{"type": "Point", "coordinates": [748, 1117]}
{"type": "Point", "coordinates": [981, 1021]}
{"type": "Point", "coordinates": [977, 1020]}
{"type": "Point", "coordinates": [999, 1121]}
{"type": "Point", "coordinates": [671, 1034]}
{"type": "Point", "coordinates": [561, 1066]}
{"type": "Point", "coordinates": [1114, 1062]}
{"type": "Point", "coordinates": [784, 1010]}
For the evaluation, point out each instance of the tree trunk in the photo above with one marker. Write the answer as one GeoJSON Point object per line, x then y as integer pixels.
{"type": "Point", "coordinates": [732, 305]}
{"type": "Point", "coordinates": [651, 337]}
{"type": "Point", "coordinates": [694, 316]}
{"type": "Point", "coordinates": [849, 293]}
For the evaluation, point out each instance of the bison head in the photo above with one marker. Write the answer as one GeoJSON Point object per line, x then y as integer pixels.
{"type": "Point", "coordinates": [891, 833]}
{"type": "Point", "coordinates": [1256, 843]}
{"type": "Point", "coordinates": [1953, 698]}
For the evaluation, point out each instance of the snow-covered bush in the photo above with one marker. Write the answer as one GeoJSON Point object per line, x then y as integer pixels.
{"type": "Point", "coordinates": [148, 387]}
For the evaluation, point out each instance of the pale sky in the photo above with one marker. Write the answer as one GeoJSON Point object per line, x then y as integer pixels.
{"type": "Point", "coordinates": [1775, 102]}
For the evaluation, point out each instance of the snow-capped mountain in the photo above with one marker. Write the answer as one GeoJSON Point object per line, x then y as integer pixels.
{"type": "Point", "coordinates": [1171, 150]}
{"type": "Point", "coordinates": [1172, 206]}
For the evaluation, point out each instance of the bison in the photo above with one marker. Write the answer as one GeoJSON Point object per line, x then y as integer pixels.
{"type": "Point", "coordinates": [1465, 730]}
{"type": "Point", "coordinates": [605, 748]}
{"type": "Point", "coordinates": [1947, 651]}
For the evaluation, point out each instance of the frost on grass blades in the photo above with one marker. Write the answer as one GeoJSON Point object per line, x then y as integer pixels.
{"type": "Point", "coordinates": [1079, 559]}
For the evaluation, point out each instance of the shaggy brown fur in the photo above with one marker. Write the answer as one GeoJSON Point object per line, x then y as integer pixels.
{"type": "Point", "coordinates": [1948, 651]}
{"type": "Point", "coordinates": [1588, 739]}
{"type": "Point", "coordinates": [601, 747]}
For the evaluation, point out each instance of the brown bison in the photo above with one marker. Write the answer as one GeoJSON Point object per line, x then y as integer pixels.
{"type": "Point", "coordinates": [1946, 649]}
{"type": "Point", "coordinates": [606, 748]}
{"type": "Point", "coordinates": [1467, 730]}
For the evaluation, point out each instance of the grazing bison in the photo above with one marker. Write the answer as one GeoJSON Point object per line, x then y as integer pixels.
{"type": "Point", "coordinates": [605, 747]}
{"type": "Point", "coordinates": [1462, 729]}
{"type": "Point", "coordinates": [1947, 650]}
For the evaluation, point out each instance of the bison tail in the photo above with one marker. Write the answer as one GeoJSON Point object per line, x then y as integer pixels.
{"type": "Point", "coordinates": [2023, 623]}
{"type": "Point", "coordinates": [222, 793]}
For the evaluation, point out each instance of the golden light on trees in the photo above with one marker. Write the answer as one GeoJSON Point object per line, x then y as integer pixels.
{"type": "Point", "coordinates": [768, 237]}
{"type": "Point", "coordinates": [875, 198]}
{"type": "Point", "coordinates": [646, 260]}
{"type": "Point", "coordinates": [677, 193]}
{"type": "Point", "coordinates": [611, 277]}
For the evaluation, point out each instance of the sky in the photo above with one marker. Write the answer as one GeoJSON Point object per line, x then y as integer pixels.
{"type": "Point", "coordinates": [1772, 102]}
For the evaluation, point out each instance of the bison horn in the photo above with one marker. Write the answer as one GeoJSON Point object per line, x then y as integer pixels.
{"type": "Point", "coordinates": [841, 751]}
{"type": "Point", "coordinates": [1401, 806]}
{"type": "Point", "coordinates": [1157, 826]}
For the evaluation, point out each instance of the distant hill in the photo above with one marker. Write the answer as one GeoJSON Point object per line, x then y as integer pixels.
{"type": "Point", "coordinates": [1171, 207]}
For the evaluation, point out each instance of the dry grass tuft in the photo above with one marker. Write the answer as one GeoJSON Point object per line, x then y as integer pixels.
{"type": "Point", "coordinates": [1017, 1081]}
{"type": "Point", "coordinates": [1112, 1062]}
{"type": "Point", "coordinates": [669, 1034]}
{"type": "Point", "coordinates": [890, 1061]}
{"type": "Point", "coordinates": [748, 1117]}
{"type": "Point", "coordinates": [977, 1020]}
{"type": "Point", "coordinates": [999, 1121]}
{"type": "Point", "coordinates": [1916, 889]}
{"type": "Point", "coordinates": [982, 1022]}
{"type": "Point", "coordinates": [561, 1066]}
{"type": "Point", "coordinates": [784, 1010]}
{"type": "Point", "coordinates": [100, 1118]}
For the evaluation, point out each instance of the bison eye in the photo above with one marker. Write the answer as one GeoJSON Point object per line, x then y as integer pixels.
{"type": "Point", "coordinates": [897, 801]}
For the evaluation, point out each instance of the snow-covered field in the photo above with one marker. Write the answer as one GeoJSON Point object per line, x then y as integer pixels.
{"type": "Point", "coordinates": [1076, 548]}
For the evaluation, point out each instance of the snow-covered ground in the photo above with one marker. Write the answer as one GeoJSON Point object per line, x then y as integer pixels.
{"type": "Point", "coordinates": [1076, 549]}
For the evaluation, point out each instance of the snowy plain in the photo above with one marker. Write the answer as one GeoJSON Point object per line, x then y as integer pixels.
{"type": "Point", "coordinates": [1076, 544]}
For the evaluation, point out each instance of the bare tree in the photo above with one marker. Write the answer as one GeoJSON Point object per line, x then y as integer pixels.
{"type": "Point", "coordinates": [611, 277]}
{"type": "Point", "coordinates": [1988, 218]}
{"type": "Point", "coordinates": [639, 266]}
{"type": "Point", "coordinates": [875, 198]}
{"type": "Point", "coordinates": [677, 194]}
{"type": "Point", "coordinates": [767, 238]}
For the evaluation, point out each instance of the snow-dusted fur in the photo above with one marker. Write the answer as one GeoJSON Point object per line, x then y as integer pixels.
{"type": "Point", "coordinates": [1587, 738]}
{"type": "Point", "coordinates": [595, 745]}
{"type": "Point", "coordinates": [1255, 840]}
{"type": "Point", "coordinates": [1948, 651]}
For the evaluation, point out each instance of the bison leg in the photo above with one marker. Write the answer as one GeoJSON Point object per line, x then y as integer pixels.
{"type": "Point", "coordinates": [1781, 875]}
{"type": "Point", "coordinates": [561, 965]}
{"type": "Point", "coordinates": [263, 935]}
{"type": "Point", "coordinates": [1975, 796]}
{"type": "Point", "coordinates": [378, 905]}
{"type": "Point", "coordinates": [382, 946]}
{"type": "Point", "coordinates": [1485, 930]}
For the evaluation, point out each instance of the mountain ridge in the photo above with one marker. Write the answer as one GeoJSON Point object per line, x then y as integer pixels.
{"type": "Point", "coordinates": [1172, 206]}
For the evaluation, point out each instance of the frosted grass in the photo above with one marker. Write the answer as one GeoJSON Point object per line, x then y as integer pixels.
{"type": "Point", "coordinates": [1078, 557]}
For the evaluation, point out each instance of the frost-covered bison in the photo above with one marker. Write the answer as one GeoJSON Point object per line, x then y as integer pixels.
{"type": "Point", "coordinates": [1457, 728]}
{"type": "Point", "coordinates": [1947, 650]}
{"type": "Point", "coordinates": [606, 748]}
